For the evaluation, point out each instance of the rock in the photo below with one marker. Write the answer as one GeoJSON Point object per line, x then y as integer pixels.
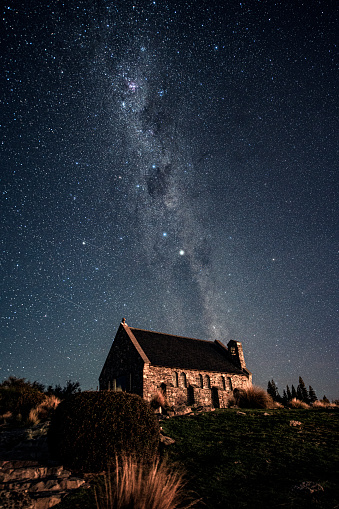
{"type": "Point", "coordinates": [28, 477]}
{"type": "Point", "coordinates": [295, 423]}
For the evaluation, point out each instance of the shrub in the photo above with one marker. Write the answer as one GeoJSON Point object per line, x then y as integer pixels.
{"type": "Point", "coordinates": [158, 400]}
{"type": "Point", "coordinates": [138, 485]}
{"type": "Point", "coordinates": [320, 404]}
{"type": "Point", "coordinates": [252, 397]}
{"type": "Point", "coordinates": [296, 403]}
{"type": "Point", "coordinates": [19, 397]}
{"type": "Point", "coordinates": [6, 417]}
{"type": "Point", "coordinates": [88, 429]}
{"type": "Point", "coordinates": [43, 411]}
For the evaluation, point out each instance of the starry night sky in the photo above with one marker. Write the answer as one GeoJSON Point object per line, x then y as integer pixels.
{"type": "Point", "coordinates": [173, 163]}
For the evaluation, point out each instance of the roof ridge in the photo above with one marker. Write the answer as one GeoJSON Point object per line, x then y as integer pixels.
{"type": "Point", "coordinates": [173, 335]}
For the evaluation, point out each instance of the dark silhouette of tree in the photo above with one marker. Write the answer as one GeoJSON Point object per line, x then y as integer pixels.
{"type": "Point", "coordinates": [325, 400]}
{"type": "Point", "coordinates": [288, 393]}
{"type": "Point", "coordinates": [294, 392]}
{"type": "Point", "coordinates": [272, 390]}
{"type": "Point", "coordinates": [284, 397]}
{"type": "Point", "coordinates": [302, 392]}
{"type": "Point", "coordinates": [64, 392]}
{"type": "Point", "coordinates": [312, 395]}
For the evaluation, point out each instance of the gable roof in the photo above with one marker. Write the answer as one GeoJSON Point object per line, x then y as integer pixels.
{"type": "Point", "coordinates": [181, 352]}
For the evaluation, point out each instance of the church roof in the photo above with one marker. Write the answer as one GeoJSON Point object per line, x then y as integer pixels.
{"type": "Point", "coordinates": [182, 352]}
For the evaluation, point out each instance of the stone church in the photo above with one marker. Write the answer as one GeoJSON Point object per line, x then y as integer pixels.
{"type": "Point", "coordinates": [191, 371]}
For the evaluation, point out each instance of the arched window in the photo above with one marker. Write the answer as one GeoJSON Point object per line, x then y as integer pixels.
{"type": "Point", "coordinates": [223, 383]}
{"type": "Point", "coordinates": [175, 379]}
{"type": "Point", "coordinates": [183, 381]}
{"type": "Point", "coordinates": [229, 383]}
{"type": "Point", "coordinates": [201, 381]}
{"type": "Point", "coordinates": [207, 382]}
{"type": "Point", "coordinates": [163, 388]}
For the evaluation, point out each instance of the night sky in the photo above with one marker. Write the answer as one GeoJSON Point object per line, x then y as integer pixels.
{"type": "Point", "coordinates": [174, 163]}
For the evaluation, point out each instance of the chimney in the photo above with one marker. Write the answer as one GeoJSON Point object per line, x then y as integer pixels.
{"type": "Point", "coordinates": [236, 353]}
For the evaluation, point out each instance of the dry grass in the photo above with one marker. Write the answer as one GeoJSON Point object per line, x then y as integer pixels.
{"type": "Point", "coordinates": [6, 417]}
{"type": "Point", "coordinates": [252, 397]}
{"type": "Point", "coordinates": [43, 411]}
{"type": "Point", "coordinates": [158, 400]}
{"type": "Point", "coordinates": [137, 485]}
{"type": "Point", "coordinates": [322, 404]}
{"type": "Point", "coordinates": [296, 403]}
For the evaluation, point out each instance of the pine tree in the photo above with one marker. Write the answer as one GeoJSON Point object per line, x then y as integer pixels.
{"type": "Point", "coordinates": [294, 393]}
{"type": "Point", "coordinates": [325, 400]}
{"type": "Point", "coordinates": [288, 393]}
{"type": "Point", "coordinates": [284, 398]}
{"type": "Point", "coordinates": [312, 395]}
{"type": "Point", "coordinates": [302, 391]}
{"type": "Point", "coordinates": [272, 390]}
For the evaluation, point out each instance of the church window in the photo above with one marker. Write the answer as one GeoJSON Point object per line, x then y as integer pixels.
{"type": "Point", "coordinates": [183, 380]}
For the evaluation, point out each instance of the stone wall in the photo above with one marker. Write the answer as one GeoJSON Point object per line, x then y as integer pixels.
{"type": "Point", "coordinates": [123, 368]}
{"type": "Point", "coordinates": [198, 388]}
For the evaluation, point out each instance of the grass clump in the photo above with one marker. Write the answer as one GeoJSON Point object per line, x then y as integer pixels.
{"type": "Point", "coordinates": [43, 411]}
{"type": "Point", "coordinates": [251, 397]}
{"type": "Point", "coordinates": [18, 397]}
{"type": "Point", "coordinates": [138, 485]}
{"type": "Point", "coordinates": [90, 428]}
{"type": "Point", "coordinates": [158, 400]}
{"type": "Point", "coordinates": [297, 403]}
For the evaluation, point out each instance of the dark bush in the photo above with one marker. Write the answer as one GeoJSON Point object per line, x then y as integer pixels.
{"type": "Point", "coordinates": [19, 396]}
{"type": "Point", "coordinates": [90, 428]}
{"type": "Point", "coordinates": [252, 397]}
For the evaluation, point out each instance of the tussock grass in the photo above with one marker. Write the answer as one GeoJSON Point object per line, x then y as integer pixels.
{"type": "Point", "coordinates": [252, 397]}
{"type": "Point", "coordinates": [4, 418]}
{"type": "Point", "coordinates": [158, 400]}
{"type": "Point", "coordinates": [320, 404]}
{"type": "Point", "coordinates": [43, 411]}
{"type": "Point", "coordinates": [137, 485]}
{"type": "Point", "coordinates": [296, 403]}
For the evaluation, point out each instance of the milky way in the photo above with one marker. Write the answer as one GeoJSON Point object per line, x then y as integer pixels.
{"type": "Point", "coordinates": [173, 163]}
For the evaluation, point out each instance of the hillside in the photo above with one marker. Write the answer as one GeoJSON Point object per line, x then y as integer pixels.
{"type": "Point", "coordinates": [254, 458]}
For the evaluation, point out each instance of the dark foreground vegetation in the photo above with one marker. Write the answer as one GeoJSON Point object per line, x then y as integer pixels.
{"type": "Point", "coordinates": [256, 454]}
{"type": "Point", "coordinates": [251, 459]}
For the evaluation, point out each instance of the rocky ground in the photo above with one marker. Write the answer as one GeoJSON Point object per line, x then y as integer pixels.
{"type": "Point", "coordinates": [29, 479]}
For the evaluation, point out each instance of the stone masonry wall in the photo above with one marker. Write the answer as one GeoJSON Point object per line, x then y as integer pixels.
{"type": "Point", "coordinates": [123, 361]}
{"type": "Point", "coordinates": [185, 385]}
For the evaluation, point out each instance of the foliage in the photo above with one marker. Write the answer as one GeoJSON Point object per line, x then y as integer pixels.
{"type": "Point", "coordinates": [302, 392]}
{"type": "Point", "coordinates": [256, 459]}
{"type": "Point", "coordinates": [63, 392]}
{"type": "Point", "coordinates": [89, 428]}
{"type": "Point", "coordinates": [19, 396]}
{"type": "Point", "coordinates": [272, 390]}
{"type": "Point", "coordinates": [252, 397]}
{"type": "Point", "coordinates": [136, 484]}
{"type": "Point", "coordinates": [44, 410]}
{"type": "Point", "coordinates": [158, 400]}
{"type": "Point", "coordinates": [312, 395]}
{"type": "Point", "coordinates": [297, 403]}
